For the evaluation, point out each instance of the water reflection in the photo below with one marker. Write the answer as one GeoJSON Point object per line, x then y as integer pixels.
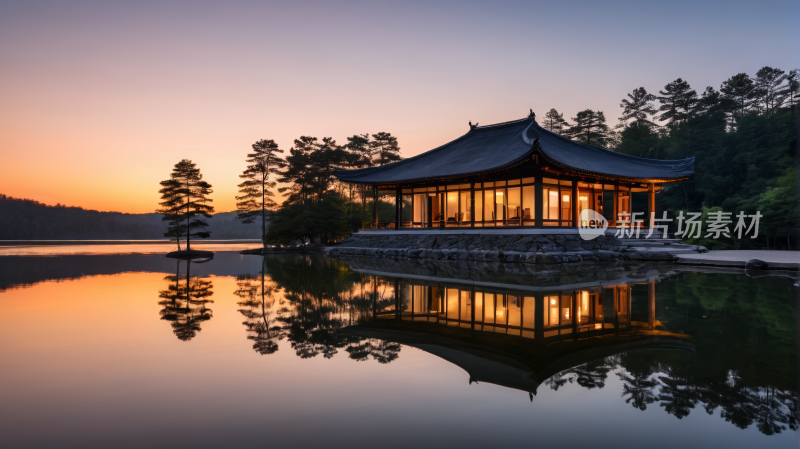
{"type": "Point", "coordinates": [675, 341]}
{"type": "Point", "coordinates": [184, 302]}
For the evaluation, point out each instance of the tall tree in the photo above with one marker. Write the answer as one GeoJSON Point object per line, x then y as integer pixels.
{"type": "Point", "coordinates": [192, 196]}
{"type": "Point", "coordinates": [770, 89]}
{"type": "Point", "coordinates": [385, 148]}
{"type": "Point", "coordinates": [298, 165]}
{"type": "Point", "coordinates": [360, 156]}
{"type": "Point", "coordinates": [677, 102]}
{"type": "Point", "coordinates": [554, 122]}
{"type": "Point", "coordinates": [255, 193]}
{"type": "Point", "coordinates": [638, 108]}
{"type": "Point", "coordinates": [741, 90]}
{"type": "Point", "coordinates": [792, 88]}
{"type": "Point", "coordinates": [171, 206]}
{"type": "Point", "coordinates": [590, 128]}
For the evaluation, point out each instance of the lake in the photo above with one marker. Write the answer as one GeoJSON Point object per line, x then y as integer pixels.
{"type": "Point", "coordinates": [116, 347]}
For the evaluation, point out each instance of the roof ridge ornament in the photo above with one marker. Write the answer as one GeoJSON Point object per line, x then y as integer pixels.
{"type": "Point", "coordinates": [532, 115]}
{"type": "Point", "coordinates": [471, 126]}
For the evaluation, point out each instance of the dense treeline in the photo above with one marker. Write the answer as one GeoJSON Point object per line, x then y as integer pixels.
{"type": "Point", "coordinates": [317, 208]}
{"type": "Point", "coordinates": [25, 219]}
{"type": "Point", "coordinates": [743, 136]}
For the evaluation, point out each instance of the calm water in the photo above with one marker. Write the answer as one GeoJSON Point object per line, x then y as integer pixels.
{"type": "Point", "coordinates": [136, 350]}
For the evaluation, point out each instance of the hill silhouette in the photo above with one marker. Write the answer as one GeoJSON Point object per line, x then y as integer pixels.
{"type": "Point", "coordinates": [27, 219]}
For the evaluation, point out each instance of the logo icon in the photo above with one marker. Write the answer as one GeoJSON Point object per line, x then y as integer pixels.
{"type": "Point", "coordinates": [591, 224]}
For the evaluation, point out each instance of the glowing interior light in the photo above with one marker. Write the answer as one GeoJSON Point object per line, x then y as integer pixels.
{"type": "Point", "coordinates": [598, 326]}
{"type": "Point", "coordinates": [552, 301]}
{"type": "Point", "coordinates": [565, 198]}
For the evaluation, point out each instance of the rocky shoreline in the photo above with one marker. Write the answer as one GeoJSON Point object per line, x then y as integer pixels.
{"type": "Point", "coordinates": [528, 249]}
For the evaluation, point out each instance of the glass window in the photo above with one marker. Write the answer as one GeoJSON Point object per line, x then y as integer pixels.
{"type": "Point", "coordinates": [566, 183]}
{"type": "Point", "coordinates": [550, 181]}
{"type": "Point", "coordinates": [421, 208]}
{"type": "Point", "coordinates": [488, 184]}
{"type": "Point", "coordinates": [513, 182]}
{"type": "Point", "coordinates": [452, 208]}
{"type": "Point", "coordinates": [466, 306]}
{"type": "Point", "coordinates": [466, 206]}
{"type": "Point", "coordinates": [488, 202]}
{"type": "Point", "coordinates": [488, 308]}
{"type": "Point", "coordinates": [551, 204]}
{"type": "Point", "coordinates": [452, 303]}
{"type": "Point", "coordinates": [499, 183]}
{"type": "Point", "coordinates": [479, 205]}
{"type": "Point", "coordinates": [551, 310]}
{"type": "Point", "coordinates": [407, 190]}
{"type": "Point", "coordinates": [528, 180]}
{"type": "Point", "coordinates": [500, 204]}
{"type": "Point", "coordinates": [566, 204]}
{"type": "Point", "coordinates": [514, 206]}
{"type": "Point", "coordinates": [584, 202]}
{"type": "Point", "coordinates": [514, 310]}
{"type": "Point", "coordinates": [528, 197]}
{"type": "Point", "coordinates": [528, 312]}
{"type": "Point", "coordinates": [479, 307]}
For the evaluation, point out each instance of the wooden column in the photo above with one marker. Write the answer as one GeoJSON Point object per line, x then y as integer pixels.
{"type": "Point", "coordinates": [538, 317]}
{"type": "Point", "coordinates": [375, 207]}
{"type": "Point", "coordinates": [538, 204]}
{"type": "Point", "coordinates": [575, 305]}
{"type": "Point", "coordinates": [651, 305]}
{"type": "Point", "coordinates": [651, 204]}
{"type": "Point", "coordinates": [398, 206]}
{"type": "Point", "coordinates": [574, 205]}
{"type": "Point", "coordinates": [472, 210]}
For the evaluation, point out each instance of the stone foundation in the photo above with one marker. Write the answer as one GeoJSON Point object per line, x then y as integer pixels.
{"type": "Point", "coordinates": [510, 248]}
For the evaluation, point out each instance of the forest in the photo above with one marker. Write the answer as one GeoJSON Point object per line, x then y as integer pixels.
{"type": "Point", "coordinates": [743, 137]}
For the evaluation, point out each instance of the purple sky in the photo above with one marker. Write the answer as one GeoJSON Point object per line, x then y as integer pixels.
{"type": "Point", "coordinates": [102, 98]}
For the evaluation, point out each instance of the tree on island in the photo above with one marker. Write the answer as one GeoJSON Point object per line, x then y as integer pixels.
{"type": "Point", "coordinates": [255, 200]}
{"type": "Point", "coordinates": [171, 209]}
{"type": "Point", "coordinates": [185, 196]}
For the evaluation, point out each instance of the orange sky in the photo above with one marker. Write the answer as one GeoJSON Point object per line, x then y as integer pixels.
{"type": "Point", "coordinates": [99, 101]}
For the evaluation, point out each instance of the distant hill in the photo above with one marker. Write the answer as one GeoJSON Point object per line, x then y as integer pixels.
{"type": "Point", "coordinates": [24, 219]}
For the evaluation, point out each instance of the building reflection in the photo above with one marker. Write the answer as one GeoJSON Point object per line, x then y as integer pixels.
{"type": "Point", "coordinates": [581, 330]}
{"type": "Point", "coordinates": [184, 302]}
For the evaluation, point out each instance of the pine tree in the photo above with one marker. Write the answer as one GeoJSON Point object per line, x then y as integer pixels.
{"type": "Point", "coordinates": [590, 128]}
{"type": "Point", "coordinates": [770, 89]}
{"type": "Point", "coordinates": [171, 205]}
{"type": "Point", "coordinates": [255, 199]}
{"type": "Point", "coordinates": [741, 90]}
{"type": "Point", "coordinates": [385, 148]}
{"type": "Point", "coordinates": [792, 88]}
{"type": "Point", "coordinates": [296, 173]}
{"type": "Point", "coordinates": [638, 108]}
{"type": "Point", "coordinates": [360, 156]}
{"type": "Point", "coordinates": [677, 102]}
{"type": "Point", "coordinates": [191, 195]}
{"type": "Point", "coordinates": [554, 122]}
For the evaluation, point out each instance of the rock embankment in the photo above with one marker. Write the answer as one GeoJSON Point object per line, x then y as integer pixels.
{"type": "Point", "coordinates": [530, 249]}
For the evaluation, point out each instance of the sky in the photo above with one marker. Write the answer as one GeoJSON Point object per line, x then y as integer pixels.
{"type": "Point", "coordinates": [98, 100]}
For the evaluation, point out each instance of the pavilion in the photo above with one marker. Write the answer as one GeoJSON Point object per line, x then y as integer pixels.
{"type": "Point", "coordinates": [516, 174]}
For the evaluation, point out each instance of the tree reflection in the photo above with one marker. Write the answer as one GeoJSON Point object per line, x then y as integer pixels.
{"type": "Point", "coordinates": [319, 297]}
{"type": "Point", "coordinates": [259, 308]}
{"type": "Point", "coordinates": [184, 302]}
{"type": "Point", "coordinates": [679, 385]}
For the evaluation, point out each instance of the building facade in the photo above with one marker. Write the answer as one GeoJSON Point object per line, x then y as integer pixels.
{"type": "Point", "coordinates": [516, 174]}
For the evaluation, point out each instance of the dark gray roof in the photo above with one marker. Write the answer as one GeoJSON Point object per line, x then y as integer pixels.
{"type": "Point", "coordinates": [493, 147]}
